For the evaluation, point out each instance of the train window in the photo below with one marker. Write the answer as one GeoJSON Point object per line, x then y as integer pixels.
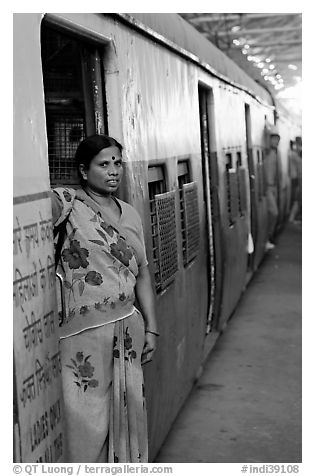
{"type": "Point", "coordinates": [163, 228]}
{"type": "Point", "coordinates": [73, 86]}
{"type": "Point", "coordinates": [189, 212]}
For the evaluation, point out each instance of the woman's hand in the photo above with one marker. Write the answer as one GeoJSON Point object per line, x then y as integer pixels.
{"type": "Point", "coordinates": [148, 348]}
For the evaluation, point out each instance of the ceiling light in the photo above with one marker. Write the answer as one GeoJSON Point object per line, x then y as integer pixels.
{"type": "Point", "coordinates": [236, 28]}
{"type": "Point", "coordinates": [246, 47]}
{"type": "Point", "coordinates": [292, 66]}
{"type": "Point", "coordinates": [264, 71]}
{"type": "Point", "coordinates": [271, 66]}
{"type": "Point", "coordinates": [278, 76]}
{"type": "Point", "coordinates": [236, 42]}
{"type": "Point", "coordinates": [250, 58]}
{"type": "Point", "coordinates": [261, 65]}
{"type": "Point", "coordinates": [244, 51]}
{"type": "Point", "coordinates": [267, 60]}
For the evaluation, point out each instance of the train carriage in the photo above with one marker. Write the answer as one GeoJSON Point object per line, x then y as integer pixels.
{"type": "Point", "coordinates": [193, 127]}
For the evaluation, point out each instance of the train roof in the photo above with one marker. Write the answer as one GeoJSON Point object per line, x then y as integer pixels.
{"type": "Point", "coordinates": [176, 33]}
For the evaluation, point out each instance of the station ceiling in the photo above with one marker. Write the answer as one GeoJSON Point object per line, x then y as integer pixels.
{"type": "Point", "coordinates": [268, 46]}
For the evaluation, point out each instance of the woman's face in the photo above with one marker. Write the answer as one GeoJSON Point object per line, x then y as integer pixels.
{"type": "Point", "coordinates": [105, 171]}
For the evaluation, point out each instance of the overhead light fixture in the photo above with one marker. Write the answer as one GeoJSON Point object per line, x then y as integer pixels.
{"type": "Point", "coordinates": [267, 60]}
{"type": "Point", "coordinates": [261, 65]}
{"type": "Point", "coordinates": [236, 42]}
{"type": "Point", "coordinates": [246, 47]}
{"type": "Point", "coordinates": [236, 28]}
{"type": "Point", "coordinates": [244, 51]}
{"type": "Point", "coordinates": [264, 71]}
{"type": "Point", "coordinates": [250, 58]}
{"type": "Point", "coordinates": [271, 66]}
{"type": "Point", "coordinates": [278, 76]}
{"type": "Point", "coordinates": [292, 66]}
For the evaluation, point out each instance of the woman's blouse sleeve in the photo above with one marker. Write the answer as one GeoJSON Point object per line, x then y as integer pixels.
{"type": "Point", "coordinates": [142, 255]}
{"type": "Point", "coordinates": [62, 202]}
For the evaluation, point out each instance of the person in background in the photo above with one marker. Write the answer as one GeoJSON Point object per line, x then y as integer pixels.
{"type": "Point", "coordinates": [272, 180]}
{"type": "Point", "coordinates": [104, 339]}
{"type": "Point", "coordinates": [295, 171]}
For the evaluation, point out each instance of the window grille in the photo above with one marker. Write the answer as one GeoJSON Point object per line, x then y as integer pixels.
{"type": "Point", "coordinates": [189, 213]}
{"type": "Point", "coordinates": [64, 135]}
{"type": "Point", "coordinates": [167, 240]}
{"type": "Point", "coordinates": [163, 228]}
{"type": "Point", "coordinates": [191, 231]}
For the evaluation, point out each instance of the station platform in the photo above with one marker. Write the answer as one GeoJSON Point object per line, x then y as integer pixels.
{"type": "Point", "coordinates": [247, 404]}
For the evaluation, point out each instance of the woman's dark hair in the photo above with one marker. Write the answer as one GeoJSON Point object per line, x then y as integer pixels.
{"type": "Point", "coordinates": [91, 146]}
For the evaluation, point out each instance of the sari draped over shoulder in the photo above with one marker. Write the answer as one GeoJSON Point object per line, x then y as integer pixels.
{"type": "Point", "coordinates": [102, 337]}
{"type": "Point", "coordinates": [99, 264]}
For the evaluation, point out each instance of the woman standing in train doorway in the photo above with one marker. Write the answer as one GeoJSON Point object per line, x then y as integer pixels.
{"type": "Point", "coordinates": [104, 339]}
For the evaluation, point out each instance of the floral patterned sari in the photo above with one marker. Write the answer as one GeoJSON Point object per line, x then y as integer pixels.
{"type": "Point", "coordinates": [102, 337]}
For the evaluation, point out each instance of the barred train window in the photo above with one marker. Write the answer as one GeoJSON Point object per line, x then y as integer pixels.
{"type": "Point", "coordinates": [189, 213]}
{"type": "Point", "coordinates": [163, 228]}
{"type": "Point", "coordinates": [73, 85]}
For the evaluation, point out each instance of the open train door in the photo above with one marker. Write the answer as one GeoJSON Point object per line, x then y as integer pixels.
{"type": "Point", "coordinates": [211, 199]}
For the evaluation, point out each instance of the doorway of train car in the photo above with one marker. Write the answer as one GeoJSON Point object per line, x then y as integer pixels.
{"type": "Point", "coordinates": [74, 97]}
{"type": "Point", "coordinates": [212, 204]}
{"type": "Point", "coordinates": [252, 215]}
{"type": "Point", "coordinates": [75, 106]}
